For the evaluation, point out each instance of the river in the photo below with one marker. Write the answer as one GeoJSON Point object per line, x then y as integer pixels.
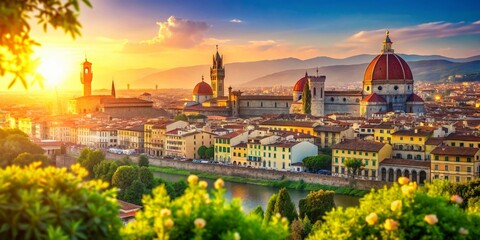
{"type": "Point", "coordinates": [253, 195]}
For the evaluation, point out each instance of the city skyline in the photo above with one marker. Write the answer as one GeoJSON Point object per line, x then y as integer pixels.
{"type": "Point", "coordinates": [120, 35]}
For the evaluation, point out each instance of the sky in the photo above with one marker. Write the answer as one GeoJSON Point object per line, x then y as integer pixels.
{"type": "Point", "coordinates": [129, 34]}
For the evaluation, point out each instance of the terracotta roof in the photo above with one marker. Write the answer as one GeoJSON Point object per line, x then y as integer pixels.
{"type": "Point", "coordinates": [373, 98]}
{"type": "Point", "coordinates": [455, 151]}
{"type": "Point", "coordinates": [288, 123]}
{"type": "Point", "coordinates": [202, 88]}
{"type": "Point", "coordinates": [241, 145]}
{"type": "Point", "coordinates": [323, 128]}
{"type": "Point", "coordinates": [300, 84]}
{"type": "Point", "coordinates": [123, 100]}
{"type": "Point", "coordinates": [137, 128]}
{"type": "Point", "coordinates": [405, 162]}
{"type": "Point", "coordinates": [387, 66]}
{"type": "Point", "coordinates": [264, 97]}
{"type": "Point", "coordinates": [456, 136]}
{"type": "Point", "coordinates": [412, 132]}
{"type": "Point", "coordinates": [359, 145]}
{"type": "Point", "coordinates": [344, 93]}
{"type": "Point", "coordinates": [127, 207]}
{"type": "Point", "coordinates": [434, 141]}
{"type": "Point", "coordinates": [414, 98]}
{"type": "Point", "coordinates": [230, 135]}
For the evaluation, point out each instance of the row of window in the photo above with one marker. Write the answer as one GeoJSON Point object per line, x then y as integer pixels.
{"type": "Point", "coordinates": [365, 161]}
{"type": "Point", "coordinates": [457, 178]}
{"type": "Point", "coordinates": [364, 172]}
{"type": "Point", "coordinates": [457, 159]}
{"type": "Point", "coordinates": [224, 141]}
{"type": "Point", "coordinates": [457, 168]}
{"type": "Point", "coordinates": [463, 145]}
{"type": "Point", "coordinates": [360, 153]}
{"type": "Point", "coordinates": [412, 139]}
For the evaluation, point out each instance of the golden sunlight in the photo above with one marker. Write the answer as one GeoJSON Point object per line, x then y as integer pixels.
{"type": "Point", "coordinates": [53, 68]}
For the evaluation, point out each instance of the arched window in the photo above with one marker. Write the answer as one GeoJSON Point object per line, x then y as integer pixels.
{"type": "Point", "coordinates": [368, 88]}
{"type": "Point", "coordinates": [344, 99]}
{"type": "Point", "coordinates": [261, 104]}
{"type": "Point", "coordinates": [321, 92]}
{"type": "Point", "coordinates": [396, 88]}
{"type": "Point", "coordinates": [314, 91]}
{"type": "Point", "coordinates": [332, 99]}
{"type": "Point", "coordinates": [379, 88]}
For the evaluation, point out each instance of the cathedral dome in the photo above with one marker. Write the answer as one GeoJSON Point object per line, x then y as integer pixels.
{"type": "Point", "coordinates": [202, 88]}
{"type": "Point", "coordinates": [387, 66]}
{"type": "Point", "coordinates": [300, 84]}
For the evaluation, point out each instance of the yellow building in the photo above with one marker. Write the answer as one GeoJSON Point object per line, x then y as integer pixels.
{"type": "Point", "coordinates": [181, 143]}
{"type": "Point", "coordinates": [239, 155]}
{"type": "Point", "coordinates": [224, 143]}
{"type": "Point", "coordinates": [370, 152]}
{"type": "Point", "coordinates": [455, 164]}
{"type": "Point", "coordinates": [458, 140]}
{"type": "Point", "coordinates": [410, 144]}
{"type": "Point", "coordinates": [131, 138]}
{"type": "Point", "coordinates": [306, 127]}
{"type": "Point", "coordinates": [331, 135]}
{"type": "Point", "coordinates": [383, 133]}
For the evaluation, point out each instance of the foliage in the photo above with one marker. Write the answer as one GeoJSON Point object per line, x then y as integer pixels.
{"type": "Point", "coordinates": [299, 229]}
{"type": "Point", "coordinates": [25, 159]}
{"type": "Point", "coordinates": [267, 216]}
{"type": "Point", "coordinates": [306, 99]}
{"type": "Point", "coordinates": [316, 205]}
{"type": "Point", "coordinates": [181, 117]}
{"type": "Point", "coordinates": [315, 163]}
{"type": "Point", "coordinates": [202, 151]}
{"type": "Point", "coordinates": [258, 211]}
{"type": "Point", "coordinates": [467, 190]}
{"type": "Point", "coordinates": [15, 42]}
{"type": "Point", "coordinates": [123, 177]}
{"type": "Point", "coordinates": [41, 203]}
{"type": "Point", "coordinates": [402, 212]}
{"type": "Point", "coordinates": [105, 170]}
{"type": "Point", "coordinates": [125, 161]}
{"type": "Point", "coordinates": [134, 192]}
{"type": "Point", "coordinates": [143, 161]}
{"type": "Point", "coordinates": [146, 177]}
{"type": "Point", "coordinates": [180, 186]}
{"type": "Point", "coordinates": [90, 158]}
{"type": "Point", "coordinates": [284, 205]}
{"type": "Point", "coordinates": [198, 215]}
{"type": "Point", "coordinates": [209, 153]}
{"type": "Point", "coordinates": [326, 151]}
{"type": "Point", "coordinates": [354, 165]}
{"type": "Point", "coordinates": [14, 142]}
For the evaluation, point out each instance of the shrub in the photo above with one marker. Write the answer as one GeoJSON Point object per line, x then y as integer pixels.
{"type": "Point", "coordinates": [124, 177]}
{"type": "Point", "coordinates": [143, 161]}
{"type": "Point", "coordinates": [316, 204]}
{"type": "Point", "coordinates": [41, 203]}
{"type": "Point", "coordinates": [105, 170]}
{"type": "Point", "coordinates": [198, 215]}
{"type": "Point", "coordinates": [401, 212]}
{"type": "Point", "coordinates": [25, 159]}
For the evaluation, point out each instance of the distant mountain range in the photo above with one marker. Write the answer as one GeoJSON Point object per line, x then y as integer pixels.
{"type": "Point", "coordinates": [287, 70]}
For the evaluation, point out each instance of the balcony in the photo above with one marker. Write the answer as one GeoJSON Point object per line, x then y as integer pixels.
{"type": "Point", "coordinates": [407, 148]}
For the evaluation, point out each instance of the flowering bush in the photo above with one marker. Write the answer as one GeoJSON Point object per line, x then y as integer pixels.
{"type": "Point", "coordinates": [199, 215]}
{"type": "Point", "coordinates": [403, 211]}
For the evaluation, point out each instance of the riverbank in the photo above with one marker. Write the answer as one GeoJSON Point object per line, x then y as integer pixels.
{"type": "Point", "coordinates": [298, 185]}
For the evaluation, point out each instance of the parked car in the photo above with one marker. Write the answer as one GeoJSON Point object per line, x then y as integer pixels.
{"type": "Point", "coordinates": [324, 172]}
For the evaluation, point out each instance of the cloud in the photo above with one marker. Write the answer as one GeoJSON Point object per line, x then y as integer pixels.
{"type": "Point", "coordinates": [174, 33]}
{"type": "Point", "coordinates": [236, 20]}
{"type": "Point", "coordinates": [417, 32]}
{"type": "Point", "coordinates": [263, 45]}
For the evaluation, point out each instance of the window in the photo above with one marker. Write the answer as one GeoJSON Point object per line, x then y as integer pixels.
{"type": "Point", "coordinates": [374, 163]}
{"type": "Point", "coordinates": [436, 157]}
{"type": "Point", "coordinates": [436, 167]}
{"type": "Point", "coordinates": [457, 179]}
{"type": "Point", "coordinates": [344, 99]}
{"type": "Point", "coordinates": [457, 168]}
{"type": "Point", "coordinates": [366, 162]}
{"type": "Point", "coordinates": [366, 154]}
{"type": "Point", "coordinates": [420, 139]}
{"type": "Point", "coordinates": [314, 91]}
{"type": "Point", "coordinates": [469, 169]}
{"type": "Point", "coordinates": [396, 88]}
{"type": "Point", "coordinates": [336, 169]}
{"type": "Point", "coordinates": [348, 151]}
{"type": "Point", "coordinates": [343, 159]}
{"type": "Point", "coordinates": [374, 173]}
{"type": "Point", "coordinates": [453, 144]}
{"type": "Point", "coordinates": [368, 88]}
{"type": "Point", "coordinates": [469, 159]}
{"type": "Point", "coordinates": [436, 176]}
{"type": "Point", "coordinates": [457, 159]}
{"type": "Point", "coordinates": [411, 138]}
{"type": "Point", "coordinates": [332, 99]}
{"type": "Point", "coordinates": [445, 177]}
{"type": "Point", "coordinates": [401, 138]}
{"type": "Point", "coordinates": [336, 160]}
{"type": "Point", "coordinates": [446, 168]}
{"type": "Point", "coordinates": [374, 154]}
{"type": "Point", "coordinates": [379, 88]}
{"type": "Point", "coordinates": [446, 158]}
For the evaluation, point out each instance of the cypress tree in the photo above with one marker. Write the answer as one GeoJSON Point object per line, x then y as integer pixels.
{"type": "Point", "coordinates": [285, 206]}
{"type": "Point", "coordinates": [307, 99]}
{"type": "Point", "coordinates": [270, 207]}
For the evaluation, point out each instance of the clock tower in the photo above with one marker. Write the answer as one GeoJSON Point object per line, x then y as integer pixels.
{"type": "Point", "coordinates": [86, 76]}
{"type": "Point", "coordinates": [217, 75]}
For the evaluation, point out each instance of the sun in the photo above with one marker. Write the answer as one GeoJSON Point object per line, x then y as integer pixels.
{"type": "Point", "coordinates": [53, 68]}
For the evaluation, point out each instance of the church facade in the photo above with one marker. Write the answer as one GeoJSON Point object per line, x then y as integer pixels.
{"type": "Point", "coordinates": [388, 86]}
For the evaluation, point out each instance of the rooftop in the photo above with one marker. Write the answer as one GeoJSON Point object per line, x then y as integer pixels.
{"type": "Point", "coordinates": [359, 145]}
{"type": "Point", "coordinates": [455, 151]}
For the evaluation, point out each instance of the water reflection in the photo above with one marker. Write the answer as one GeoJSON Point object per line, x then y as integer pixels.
{"type": "Point", "coordinates": [255, 195]}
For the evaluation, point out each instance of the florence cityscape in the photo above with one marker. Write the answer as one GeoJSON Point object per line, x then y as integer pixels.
{"type": "Point", "coordinates": [239, 119]}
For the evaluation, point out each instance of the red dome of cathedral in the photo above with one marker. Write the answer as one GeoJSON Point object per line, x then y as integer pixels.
{"type": "Point", "coordinates": [202, 88]}
{"type": "Point", "coordinates": [300, 84]}
{"type": "Point", "coordinates": [387, 66]}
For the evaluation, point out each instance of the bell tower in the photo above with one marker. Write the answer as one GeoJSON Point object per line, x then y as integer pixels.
{"type": "Point", "coordinates": [217, 75]}
{"type": "Point", "coordinates": [86, 76]}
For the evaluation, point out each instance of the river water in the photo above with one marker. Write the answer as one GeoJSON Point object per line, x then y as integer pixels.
{"type": "Point", "coordinates": [253, 195]}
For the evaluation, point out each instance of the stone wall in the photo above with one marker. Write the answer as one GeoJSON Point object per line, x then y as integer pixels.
{"type": "Point", "coordinates": [265, 174]}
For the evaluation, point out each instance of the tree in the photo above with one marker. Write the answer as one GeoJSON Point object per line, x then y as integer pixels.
{"type": "Point", "coordinates": [269, 211]}
{"type": "Point", "coordinates": [202, 151]}
{"type": "Point", "coordinates": [125, 161]}
{"type": "Point", "coordinates": [13, 143]}
{"type": "Point", "coordinates": [124, 176]}
{"type": "Point", "coordinates": [258, 211]}
{"type": "Point", "coordinates": [181, 117]}
{"type": "Point", "coordinates": [316, 205]}
{"type": "Point", "coordinates": [285, 206]}
{"type": "Point", "coordinates": [105, 170]}
{"type": "Point", "coordinates": [315, 163]}
{"type": "Point", "coordinates": [307, 99]}
{"type": "Point", "coordinates": [210, 152]}
{"type": "Point", "coordinates": [25, 159]}
{"type": "Point", "coordinates": [16, 45]}
{"type": "Point", "coordinates": [354, 165]}
{"type": "Point", "coordinates": [134, 192]}
{"type": "Point", "coordinates": [93, 158]}
{"type": "Point", "coordinates": [179, 186]}
{"type": "Point", "coordinates": [299, 229]}
{"type": "Point", "coordinates": [52, 203]}
{"type": "Point", "coordinates": [146, 177]}
{"type": "Point", "coordinates": [143, 161]}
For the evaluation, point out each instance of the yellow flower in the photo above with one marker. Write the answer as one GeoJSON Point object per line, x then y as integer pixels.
{"type": "Point", "coordinates": [456, 199]}
{"type": "Point", "coordinates": [407, 190]}
{"type": "Point", "coordinates": [169, 223]}
{"type": "Point", "coordinates": [390, 225]}
{"type": "Point", "coordinates": [463, 231]}
{"type": "Point", "coordinates": [403, 180]}
{"type": "Point", "coordinates": [200, 223]}
{"type": "Point", "coordinates": [396, 205]}
{"type": "Point", "coordinates": [203, 184]}
{"type": "Point", "coordinates": [371, 219]}
{"type": "Point", "coordinates": [219, 184]}
{"type": "Point", "coordinates": [165, 212]}
{"type": "Point", "coordinates": [192, 179]}
{"type": "Point", "coordinates": [431, 219]}
{"type": "Point", "coordinates": [236, 236]}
